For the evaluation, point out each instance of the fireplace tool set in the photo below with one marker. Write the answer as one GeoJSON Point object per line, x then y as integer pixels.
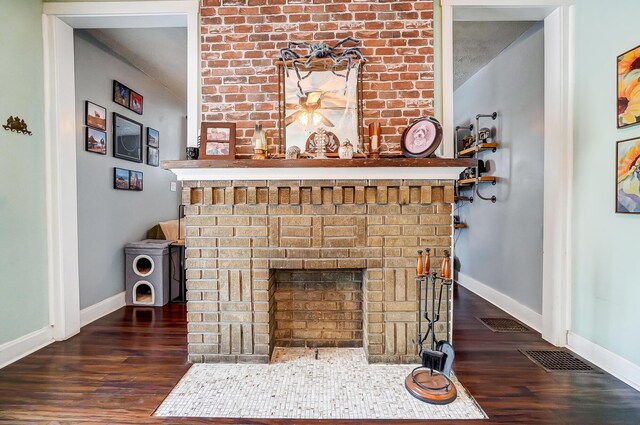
{"type": "Point", "coordinates": [430, 381]}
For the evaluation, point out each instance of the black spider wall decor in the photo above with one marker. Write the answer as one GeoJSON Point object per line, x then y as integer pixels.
{"type": "Point", "coordinates": [319, 51]}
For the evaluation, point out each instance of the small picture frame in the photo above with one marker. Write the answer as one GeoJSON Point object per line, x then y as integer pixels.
{"type": "Point", "coordinates": [120, 178]}
{"type": "Point", "coordinates": [217, 140]}
{"type": "Point", "coordinates": [95, 141]}
{"type": "Point", "coordinates": [153, 156]}
{"type": "Point", "coordinates": [136, 102]}
{"type": "Point", "coordinates": [628, 176]}
{"type": "Point", "coordinates": [421, 138]}
{"type": "Point", "coordinates": [153, 137]}
{"type": "Point", "coordinates": [121, 94]}
{"type": "Point", "coordinates": [95, 116]}
{"type": "Point", "coordinates": [136, 180]}
{"type": "Point", "coordinates": [127, 138]}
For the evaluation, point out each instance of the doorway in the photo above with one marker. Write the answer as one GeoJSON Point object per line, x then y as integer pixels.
{"type": "Point", "coordinates": [558, 139]}
{"type": "Point", "coordinates": [59, 22]}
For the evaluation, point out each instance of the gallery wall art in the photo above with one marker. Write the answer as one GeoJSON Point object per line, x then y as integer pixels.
{"type": "Point", "coordinates": [124, 179]}
{"type": "Point", "coordinates": [95, 116]}
{"type": "Point", "coordinates": [628, 176]}
{"type": "Point", "coordinates": [629, 88]}
{"type": "Point", "coordinates": [95, 141]}
{"type": "Point", "coordinates": [127, 138]}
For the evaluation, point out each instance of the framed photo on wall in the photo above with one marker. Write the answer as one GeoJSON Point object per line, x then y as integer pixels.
{"type": "Point", "coordinates": [153, 137]}
{"type": "Point", "coordinates": [120, 178]}
{"type": "Point", "coordinates": [121, 94]}
{"type": "Point", "coordinates": [629, 88]}
{"type": "Point", "coordinates": [95, 141]}
{"type": "Point", "coordinates": [136, 180]}
{"type": "Point", "coordinates": [628, 176]}
{"type": "Point", "coordinates": [217, 140]}
{"type": "Point", "coordinates": [153, 156]}
{"type": "Point", "coordinates": [127, 138]}
{"type": "Point", "coordinates": [95, 116]}
{"type": "Point", "coordinates": [135, 102]}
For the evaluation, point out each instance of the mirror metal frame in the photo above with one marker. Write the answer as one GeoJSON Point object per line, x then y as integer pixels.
{"type": "Point", "coordinates": [317, 65]}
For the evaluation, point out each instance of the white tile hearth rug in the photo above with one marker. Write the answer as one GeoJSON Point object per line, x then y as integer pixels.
{"type": "Point", "coordinates": [340, 384]}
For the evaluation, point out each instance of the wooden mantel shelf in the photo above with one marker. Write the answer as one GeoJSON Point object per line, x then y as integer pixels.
{"type": "Point", "coordinates": [320, 169]}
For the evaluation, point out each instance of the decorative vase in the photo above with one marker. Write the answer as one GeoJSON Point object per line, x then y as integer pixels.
{"type": "Point", "coordinates": [346, 150]}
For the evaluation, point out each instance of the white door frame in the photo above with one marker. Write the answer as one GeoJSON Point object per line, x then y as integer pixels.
{"type": "Point", "coordinates": [558, 135]}
{"type": "Point", "coordinates": [58, 21]}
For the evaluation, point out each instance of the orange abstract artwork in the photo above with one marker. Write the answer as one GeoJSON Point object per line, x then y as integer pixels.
{"type": "Point", "coordinates": [628, 176]}
{"type": "Point", "coordinates": [629, 88]}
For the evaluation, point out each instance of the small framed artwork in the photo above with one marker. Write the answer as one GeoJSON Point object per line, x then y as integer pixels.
{"type": "Point", "coordinates": [153, 137]}
{"type": "Point", "coordinates": [153, 156]}
{"type": "Point", "coordinates": [628, 176]}
{"type": "Point", "coordinates": [127, 138]}
{"type": "Point", "coordinates": [135, 102]}
{"type": "Point", "coordinates": [217, 140]}
{"type": "Point", "coordinates": [95, 116]}
{"type": "Point", "coordinates": [629, 88]}
{"type": "Point", "coordinates": [121, 94]}
{"type": "Point", "coordinates": [421, 138]}
{"type": "Point", "coordinates": [120, 178]}
{"type": "Point", "coordinates": [135, 180]}
{"type": "Point", "coordinates": [95, 141]}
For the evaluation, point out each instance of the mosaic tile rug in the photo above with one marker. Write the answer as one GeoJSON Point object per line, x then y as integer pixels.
{"type": "Point", "coordinates": [339, 384]}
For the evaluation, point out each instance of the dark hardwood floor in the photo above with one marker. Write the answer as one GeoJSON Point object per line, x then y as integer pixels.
{"type": "Point", "coordinates": [120, 368]}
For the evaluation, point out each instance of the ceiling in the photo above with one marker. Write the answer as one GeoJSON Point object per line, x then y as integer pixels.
{"type": "Point", "coordinates": [475, 44]}
{"type": "Point", "coordinates": [160, 53]}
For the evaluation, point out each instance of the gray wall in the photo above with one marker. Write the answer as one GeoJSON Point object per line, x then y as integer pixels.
{"type": "Point", "coordinates": [502, 246]}
{"type": "Point", "coordinates": [109, 218]}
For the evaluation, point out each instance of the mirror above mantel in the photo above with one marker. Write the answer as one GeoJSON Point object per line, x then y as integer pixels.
{"type": "Point", "coordinates": [323, 98]}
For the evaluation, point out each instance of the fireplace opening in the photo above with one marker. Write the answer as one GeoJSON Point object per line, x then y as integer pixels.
{"type": "Point", "coordinates": [317, 308]}
{"type": "Point", "coordinates": [143, 293]}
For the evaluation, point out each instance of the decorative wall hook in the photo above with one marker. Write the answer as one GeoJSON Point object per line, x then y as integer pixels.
{"type": "Point", "coordinates": [17, 125]}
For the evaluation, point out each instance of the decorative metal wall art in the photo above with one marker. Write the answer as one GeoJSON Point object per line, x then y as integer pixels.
{"type": "Point", "coordinates": [16, 125]}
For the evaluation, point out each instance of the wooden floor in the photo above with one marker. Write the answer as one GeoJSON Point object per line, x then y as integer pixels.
{"type": "Point", "coordinates": [120, 368]}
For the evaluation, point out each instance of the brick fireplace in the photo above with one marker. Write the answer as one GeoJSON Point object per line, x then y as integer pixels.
{"type": "Point", "coordinates": [250, 243]}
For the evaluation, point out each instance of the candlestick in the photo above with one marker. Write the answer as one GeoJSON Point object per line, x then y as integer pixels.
{"type": "Point", "coordinates": [374, 139]}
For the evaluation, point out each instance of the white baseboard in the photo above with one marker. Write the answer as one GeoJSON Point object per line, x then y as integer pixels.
{"type": "Point", "coordinates": [610, 362]}
{"type": "Point", "coordinates": [502, 301]}
{"type": "Point", "coordinates": [96, 311]}
{"type": "Point", "coordinates": [18, 348]}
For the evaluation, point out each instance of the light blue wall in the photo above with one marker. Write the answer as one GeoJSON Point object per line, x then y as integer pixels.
{"type": "Point", "coordinates": [23, 254]}
{"type": "Point", "coordinates": [606, 286]}
{"type": "Point", "coordinates": [502, 246]}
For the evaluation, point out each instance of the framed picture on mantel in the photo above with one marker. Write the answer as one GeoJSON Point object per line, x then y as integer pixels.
{"type": "Point", "coordinates": [217, 140]}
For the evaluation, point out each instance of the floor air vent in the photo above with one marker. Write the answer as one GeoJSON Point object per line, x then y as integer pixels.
{"type": "Point", "coordinates": [557, 361]}
{"type": "Point", "coordinates": [502, 324]}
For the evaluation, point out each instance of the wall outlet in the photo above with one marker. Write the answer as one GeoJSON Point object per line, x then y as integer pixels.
{"type": "Point", "coordinates": [174, 186]}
